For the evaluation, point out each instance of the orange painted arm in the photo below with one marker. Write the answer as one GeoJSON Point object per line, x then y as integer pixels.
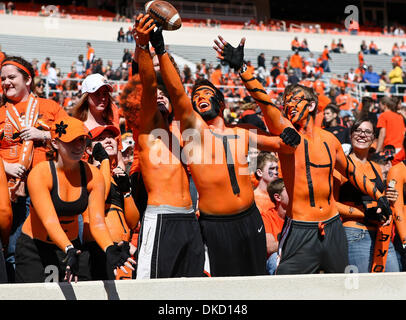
{"type": "Point", "coordinates": [149, 87]}
{"type": "Point", "coordinates": [106, 173]}
{"type": "Point", "coordinates": [132, 215]}
{"type": "Point", "coordinates": [273, 117]}
{"type": "Point", "coordinates": [181, 103]}
{"type": "Point", "coordinates": [348, 212]}
{"type": "Point", "coordinates": [40, 194]}
{"type": "Point", "coordinates": [265, 141]}
{"type": "Point", "coordinates": [6, 212]}
{"type": "Point", "coordinates": [398, 173]}
{"type": "Point", "coordinates": [97, 224]}
{"type": "Point", "coordinates": [347, 168]}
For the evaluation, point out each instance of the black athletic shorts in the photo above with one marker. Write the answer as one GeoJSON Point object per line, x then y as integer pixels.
{"type": "Point", "coordinates": [235, 244]}
{"type": "Point", "coordinates": [169, 244]}
{"type": "Point", "coordinates": [38, 261]}
{"type": "Point", "coordinates": [311, 247]}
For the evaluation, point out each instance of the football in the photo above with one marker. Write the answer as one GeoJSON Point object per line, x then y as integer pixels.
{"type": "Point", "coordinates": [164, 14]}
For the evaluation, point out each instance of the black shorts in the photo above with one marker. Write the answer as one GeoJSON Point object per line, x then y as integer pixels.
{"type": "Point", "coordinates": [38, 261]}
{"type": "Point", "coordinates": [311, 247]}
{"type": "Point", "coordinates": [235, 244]}
{"type": "Point", "coordinates": [169, 246]}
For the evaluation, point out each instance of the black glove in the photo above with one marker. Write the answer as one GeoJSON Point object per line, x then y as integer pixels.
{"type": "Point", "coordinates": [72, 262]}
{"type": "Point", "coordinates": [99, 153]}
{"type": "Point", "coordinates": [117, 255]}
{"type": "Point", "coordinates": [386, 211]}
{"type": "Point", "coordinates": [157, 40]}
{"type": "Point", "coordinates": [234, 56]}
{"type": "Point", "coordinates": [290, 137]}
{"type": "Point", "coordinates": [372, 217]}
{"type": "Point", "coordinates": [123, 183]}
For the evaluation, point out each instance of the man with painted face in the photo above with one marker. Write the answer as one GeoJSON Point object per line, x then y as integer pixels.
{"type": "Point", "coordinates": [170, 243]}
{"type": "Point", "coordinates": [313, 237]}
{"type": "Point", "coordinates": [231, 225]}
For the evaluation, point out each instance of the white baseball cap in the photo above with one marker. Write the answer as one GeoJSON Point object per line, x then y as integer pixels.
{"type": "Point", "coordinates": [128, 142]}
{"type": "Point", "coordinates": [93, 82]}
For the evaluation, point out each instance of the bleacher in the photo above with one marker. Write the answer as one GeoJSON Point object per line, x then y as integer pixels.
{"type": "Point", "coordinates": [66, 51]}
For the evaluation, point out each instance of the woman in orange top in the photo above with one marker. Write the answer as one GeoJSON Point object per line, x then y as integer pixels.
{"type": "Point", "coordinates": [25, 120]}
{"type": "Point", "coordinates": [60, 190]}
{"type": "Point", "coordinates": [359, 211]}
{"type": "Point", "coordinates": [121, 213]}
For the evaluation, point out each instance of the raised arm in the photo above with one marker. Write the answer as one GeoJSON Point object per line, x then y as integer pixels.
{"type": "Point", "coordinates": [148, 79]}
{"type": "Point", "coordinates": [274, 119]}
{"type": "Point", "coordinates": [181, 103]}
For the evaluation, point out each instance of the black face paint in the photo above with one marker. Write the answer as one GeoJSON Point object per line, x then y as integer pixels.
{"type": "Point", "coordinates": [213, 112]}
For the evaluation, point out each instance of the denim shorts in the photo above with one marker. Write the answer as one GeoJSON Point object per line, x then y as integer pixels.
{"type": "Point", "coordinates": [361, 250]}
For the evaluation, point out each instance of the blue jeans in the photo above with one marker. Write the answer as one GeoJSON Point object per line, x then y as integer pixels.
{"type": "Point", "coordinates": [361, 250]}
{"type": "Point", "coordinates": [271, 263]}
{"type": "Point", "coordinates": [21, 209]}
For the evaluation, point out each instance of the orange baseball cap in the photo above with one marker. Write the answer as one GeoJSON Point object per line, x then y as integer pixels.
{"type": "Point", "coordinates": [100, 129]}
{"type": "Point", "coordinates": [68, 129]}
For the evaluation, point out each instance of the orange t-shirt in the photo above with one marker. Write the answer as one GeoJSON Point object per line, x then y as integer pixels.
{"type": "Point", "coordinates": [44, 69]}
{"type": "Point", "coordinates": [398, 60]}
{"type": "Point", "coordinates": [296, 61]}
{"type": "Point", "coordinates": [263, 201]}
{"type": "Point", "coordinates": [90, 51]}
{"type": "Point", "coordinates": [324, 55]}
{"type": "Point", "coordinates": [273, 223]}
{"type": "Point", "coordinates": [395, 128]}
{"type": "Point", "coordinates": [319, 86]}
{"type": "Point", "coordinates": [295, 43]}
{"type": "Point", "coordinates": [347, 100]}
{"type": "Point", "coordinates": [10, 144]}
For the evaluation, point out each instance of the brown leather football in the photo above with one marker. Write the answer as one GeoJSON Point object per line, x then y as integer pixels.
{"type": "Point", "coordinates": [164, 14]}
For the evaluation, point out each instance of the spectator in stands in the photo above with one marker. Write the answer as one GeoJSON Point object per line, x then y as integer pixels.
{"type": "Point", "coordinates": [129, 35]}
{"type": "Point", "coordinates": [296, 63]}
{"type": "Point", "coordinates": [292, 78]}
{"type": "Point", "coordinates": [383, 81]}
{"type": "Point", "coordinates": [261, 60]}
{"type": "Point", "coordinates": [121, 35]}
{"type": "Point", "coordinates": [266, 172]}
{"type": "Point", "coordinates": [340, 46]}
{"type": "Point", "coordinates": [304, 46]}
{"type": "Point", "coordinates": [50, 233]}
{"type": "Point", "coordinates": [127, 56]}
{"type": "Point", "coordinates": [17, 81]}
{"type": "Point", "coordinates": [45, 66]}
{"type": "Point", "coordinates": [295, 45]}
{"type": "Point", "coordinates": [373, 48]}
{"type": "Point", "coordinates": [390, 124]}
{"type": "Point", "coordinates": [331, 123]}
{"type": "Point", "coordinates": [397, 59]}
{"type": "Point", "coordinates": [274, 220]}
{"type": "Point", "coordinates": [346, 102]}
{"type": "Point", "coordinates": [80, 65]}
{"type": "Point", "coordinates": [96, 106]}
{"type": "Point", "coordinates": [90, 56]}
{"type": "Point", "coordinates": [325, 57]}
{"type": "Point", "coordinates": [368, 110]}
{"type": "Point", "coordinates": [121, 213]}
{"type": "Point", "coordinates": [52, 77]}
{"type": "Point", "coordinates": [371, 78]}
{"type": "Point", "coordinates": [358, 210]}
{"type": "Point", "coordinates": [333, 47]}
{"type": "Point", "coordinates": [402, 49]}
{"type": "Point", "coordinates": [395, 48]}
{"type": "Point", "coordinates": [396, 78]}
{"type": "Point", "coordinates": [364, 47]}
